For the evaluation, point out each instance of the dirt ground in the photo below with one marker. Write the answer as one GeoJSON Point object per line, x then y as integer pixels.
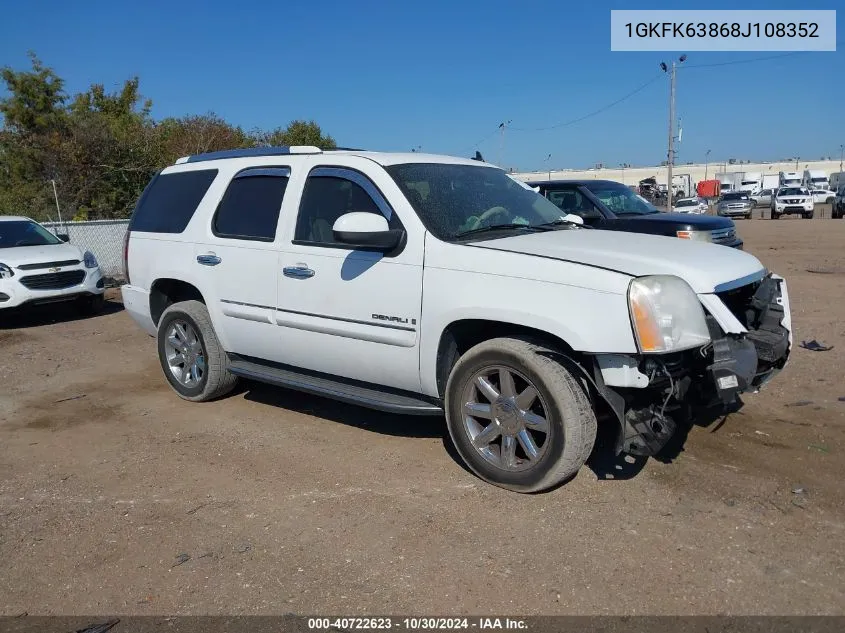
{"type": "Point", "coordinates": [118, 497]}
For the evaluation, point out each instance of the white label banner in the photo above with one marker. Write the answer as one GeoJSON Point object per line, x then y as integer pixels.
{"type": "Point", "coordinates": [723, 30]}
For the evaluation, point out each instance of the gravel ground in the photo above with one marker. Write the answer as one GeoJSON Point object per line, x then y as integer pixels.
{"type": "Point", "coordinates": [118, 497]}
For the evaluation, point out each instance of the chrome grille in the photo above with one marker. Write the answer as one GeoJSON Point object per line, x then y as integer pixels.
{"type": "Point", "coordinates": [67, 262]}
{"type": "Point", "coordinates": [722, 236]}
{"type": "Point", "coordinates": [54, 281]}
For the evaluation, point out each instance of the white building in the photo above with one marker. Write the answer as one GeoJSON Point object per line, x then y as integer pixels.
{"type": "Point", "coordinates": [697, 171]}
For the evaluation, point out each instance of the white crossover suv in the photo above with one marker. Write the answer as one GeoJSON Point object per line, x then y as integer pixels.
{"type": "Point", "coordinates": [38, 267]}
{"type": "Point", "coordinates": [423, 284]}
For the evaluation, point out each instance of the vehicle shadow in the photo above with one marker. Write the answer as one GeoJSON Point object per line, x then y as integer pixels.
{"type": "Point", "coordinates": [51, 313]}
{"type": "Point", "coordinates": [606, 464]}
{"type": "Point", "coordinates": [348, 414]}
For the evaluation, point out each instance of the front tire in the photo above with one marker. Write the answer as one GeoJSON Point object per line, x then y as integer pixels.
{"type": "Point", "coordinates": [519, 419]}
{"type": "Point", "coordinates": [193, 361]}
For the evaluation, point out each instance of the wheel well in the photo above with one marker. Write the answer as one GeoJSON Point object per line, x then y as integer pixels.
{"type": "Point", "coordinates": [166, 292]}
{"type": "Point", "coordinates": [460, 336]}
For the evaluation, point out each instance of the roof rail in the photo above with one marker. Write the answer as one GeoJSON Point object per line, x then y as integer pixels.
{"type": "Point", "coordinates": [247, 152]}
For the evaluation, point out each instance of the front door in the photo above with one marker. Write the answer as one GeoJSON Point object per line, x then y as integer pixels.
{"type": "Point", "coordinates": [348, 312]}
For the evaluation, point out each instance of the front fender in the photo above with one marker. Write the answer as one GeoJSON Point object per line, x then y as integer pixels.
{"type": "Point", "coordinates": [587, 320]}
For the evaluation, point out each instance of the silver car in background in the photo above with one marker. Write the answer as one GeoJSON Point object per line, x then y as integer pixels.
{"type": "Point", "coordinates": [764, 198]}
{"type": "Point", "coordinates": [735, 203]}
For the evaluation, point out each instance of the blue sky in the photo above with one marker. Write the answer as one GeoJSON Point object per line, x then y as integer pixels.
{"type": "Point", "coordinates": [442, 75]}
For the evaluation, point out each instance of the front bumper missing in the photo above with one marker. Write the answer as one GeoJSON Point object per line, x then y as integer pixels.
{"type": "Point", "coordinates": [734, 362]}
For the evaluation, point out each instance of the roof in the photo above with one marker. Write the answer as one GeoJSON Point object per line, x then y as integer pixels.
{"type": "Point", "coordinates": [582, 181]}
{"type": "Point", "coordinates": [11, 218]}
{"type": "Point", "coordinates": [382, 158]}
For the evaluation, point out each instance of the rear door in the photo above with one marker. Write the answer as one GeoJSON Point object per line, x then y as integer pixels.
{"type": "Point", "coordinates": [342, 311]}
{"type": "Point", "coordinates": [238, 260]}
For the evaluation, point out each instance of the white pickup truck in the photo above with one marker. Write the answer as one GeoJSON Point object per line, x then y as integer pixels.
{"type": "Point", "coordinates": [423, 284]}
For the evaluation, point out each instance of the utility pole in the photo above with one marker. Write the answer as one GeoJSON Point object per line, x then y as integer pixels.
{"type": "Point", "coordinates": [706, 161]}
{"type": "Point", "coordinates": [841, 154]}
{"type": "Point", "coordinates": [670, 158]}
{"type": "Point", "coordinates": [502, 127]}
{"type": "Point", "coordinates": [546, 160]}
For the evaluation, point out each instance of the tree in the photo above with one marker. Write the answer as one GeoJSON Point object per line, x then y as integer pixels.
{"type": "Point", "coordinates": [36, 98]}
{"type": "Point", "coordinates": [298, 133]}
{"type": "Point", "coordinates": [100, 147]}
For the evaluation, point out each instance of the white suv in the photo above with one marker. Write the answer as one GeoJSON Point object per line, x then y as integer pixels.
{"type": "Point", "coordinates": [422, 284]}
{"type": "Point", "coordinates": [38, 267]}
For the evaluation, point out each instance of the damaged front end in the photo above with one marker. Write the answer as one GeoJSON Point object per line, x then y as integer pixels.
{"type": "Point", "coordinates": [751, 338]}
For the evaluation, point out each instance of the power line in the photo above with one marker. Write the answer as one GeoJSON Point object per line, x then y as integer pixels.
{"type": "Point", "coordinates": [744, 61]}
{"type": "Point", "coordinates": [593, 113]}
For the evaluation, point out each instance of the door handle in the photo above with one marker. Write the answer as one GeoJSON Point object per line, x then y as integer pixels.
{"type": "Point", "coordinates": [300, 271]}
{"type": "Point", "coordinates": [208, 260]}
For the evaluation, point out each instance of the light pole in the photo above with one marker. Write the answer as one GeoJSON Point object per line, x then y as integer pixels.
{"type": "Point", "coordinates": [622, 165]}
{"type": "Point", "coordinates": [706, 161]}
{"type": "Point", "coordinates": [546, 160]}
{"type": "Point", "coordinates": [796, 164]}
{"type": "Point", "coordinates": [56, 196]}
{"type": "Point", "coordinates": [670, 159]}
{"type": "Point", "coordinates": [502, 126]}
{"type": "Point", "coordinates": [841, 154]}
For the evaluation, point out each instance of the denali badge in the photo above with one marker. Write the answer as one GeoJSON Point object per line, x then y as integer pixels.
{"type": "Point", "coordinates": [394, 319]}
{"type": "Point", "coordinates": [55, 270]}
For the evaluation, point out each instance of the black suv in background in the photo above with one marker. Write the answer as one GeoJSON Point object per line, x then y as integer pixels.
{"type": "Point", "coordinates": [609, 205]}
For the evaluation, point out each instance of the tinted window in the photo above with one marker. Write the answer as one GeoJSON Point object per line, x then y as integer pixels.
{"type": "Point", "coordinates": [573, 201]}
{"type": "Point", "coordinates": [250, 207]}
{"type": "Point", "coordinates": [324, 200]}
{"type": "Point", "coordinates": [169, 201]}
{"type": "Point", "coordinates": [620, 199]}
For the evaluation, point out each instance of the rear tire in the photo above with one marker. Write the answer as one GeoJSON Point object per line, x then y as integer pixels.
{"type": "Point", "coordinates": [193, 361]}
{"type": "Point", "coordinates": [505, 410]}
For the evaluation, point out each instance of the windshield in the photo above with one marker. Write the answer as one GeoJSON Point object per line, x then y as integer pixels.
{"type": "Point", "coordinates": [620, 199]}
{"type": "Point", "coordinates": [453, 199]}
{"type": "Point", "coordinates": [25, 233]}
{"type": "Point", "coordinates": [735, 196]}
{"type": "Point", "coordinates": [822, 179]}
{"type": "Point", "coordinates": [686, 203]}
{"type": "Point", "coordinates": [793, 191]}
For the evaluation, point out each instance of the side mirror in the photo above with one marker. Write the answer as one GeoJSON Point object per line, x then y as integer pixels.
{"type": "Point", "coordinates": [363, 230]}
{"type": "Point", "coordinates": [571, 217]}
{"type": "Point", "coordinates": [63, 237]}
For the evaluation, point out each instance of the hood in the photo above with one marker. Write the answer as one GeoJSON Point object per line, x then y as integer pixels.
{"type": "Point", "coordinates": [39, 254]}
{"type": "Point", "coordinates": [703, 266]}
{"type": "Point", "coordinates": [703, 222]}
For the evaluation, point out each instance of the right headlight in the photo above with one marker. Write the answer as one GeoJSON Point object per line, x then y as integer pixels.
{"type": "Point", "coordinates": [701, 236]}
{"type": "Point", "coordinates": [666, 315]}
{"type": "Point", "coordinates": [6, 272]}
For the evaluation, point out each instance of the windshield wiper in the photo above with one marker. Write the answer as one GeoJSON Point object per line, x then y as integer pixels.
{"type": "Point", "coordinates": [562, 222]}
{"type": "Point", "coordinates": [503, 227]}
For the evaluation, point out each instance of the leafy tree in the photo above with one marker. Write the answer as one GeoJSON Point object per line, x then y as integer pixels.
{"type": "Point", "coordinates": [101, 148]}
{"type": "Point", "coordinates": [298, 133]}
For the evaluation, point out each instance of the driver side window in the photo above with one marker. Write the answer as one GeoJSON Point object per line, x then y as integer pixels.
{"type": "Point", "coordinates": [330, 193]}
{"type": "Point", "coordinates": [573, 201]}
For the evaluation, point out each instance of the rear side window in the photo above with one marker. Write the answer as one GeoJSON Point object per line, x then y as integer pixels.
{"type": "Point", "coordinates": [169, 202]}
{"type": "Point", "coordinates": [250, 207]}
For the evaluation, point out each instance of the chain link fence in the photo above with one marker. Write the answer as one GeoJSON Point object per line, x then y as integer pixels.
{"type": "Point", "coordinates": [104, 238]}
